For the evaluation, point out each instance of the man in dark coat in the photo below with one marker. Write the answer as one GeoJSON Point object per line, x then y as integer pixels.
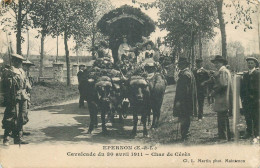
{"type": "Point", "coordinates": [185, 103]}
{"type": "Point", "coordinates": [250, 97]}
{"type": "Point", "coordinates": [81, 86]}
{"type": "Point", "coordinates": [201, 76]}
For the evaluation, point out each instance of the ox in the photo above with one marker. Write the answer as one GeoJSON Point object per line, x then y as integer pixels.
{"type": "Point", "coordinates": [103, 87]}
{"type": "Point", "coordinates": [92, 100]}
{"type": "Point", "coordinates": [96, 92]}
{"type": "Point", "coordinates": [118, 95]}
{"type": "Point", "coordinates": [146, 95]}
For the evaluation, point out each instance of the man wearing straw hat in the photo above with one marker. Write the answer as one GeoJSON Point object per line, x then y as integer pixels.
{"type": "Point", "coordinates": [250, 97]}
{"type": "Point", "coordinates": [222, 92]}
{"type": "Point", "coordinates": [185, 102]}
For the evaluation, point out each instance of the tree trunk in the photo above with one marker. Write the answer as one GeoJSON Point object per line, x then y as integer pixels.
{"type": "Point", "coordinates": [192, 51]}
{"type": "Point", "coordinates": [200, 46]}
{"type": "Point", "coordinates": [57, 48]}
{"type": "Point", "coordinates": [67, 57]}
{"type": "Point", "coordinates": [258, 26]}
{"type": "Point", "coordinates": [42, 54]}
{"type": "Point", "coordinates": [219, 4]}
{"type": "Point", "coordinates": [77, 50]}
{"type": "Point", "coordinates": [28, 39]}
{"type": "Point", "coordinates": [93, 40]}
{"type": "Point", "coordinates": [19, 30]}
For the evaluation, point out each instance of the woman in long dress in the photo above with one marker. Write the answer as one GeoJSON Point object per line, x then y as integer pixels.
{"type": "Point", "coordinates": [125, 50]}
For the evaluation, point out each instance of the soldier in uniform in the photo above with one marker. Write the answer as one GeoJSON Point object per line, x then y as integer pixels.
{"type": "Point", "coordinates": [222, 92]}
{"type": "Point", "coordinates": [16, 88]}
{"type": "Point", "coordinates": [81, 87]}
{"type": "Point", "coordinates": [185, 103]}
{"type": "Point", "coordinates": [250, 97]}
{"type": "Point", "coordinates": [201, 76]}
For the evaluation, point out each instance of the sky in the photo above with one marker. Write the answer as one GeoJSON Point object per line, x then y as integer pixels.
{"type": "Point", "coordinates": [249, 39]}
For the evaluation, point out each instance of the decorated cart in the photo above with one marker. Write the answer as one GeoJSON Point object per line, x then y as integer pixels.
{"type": "Point", "coordinates": [125, 21]}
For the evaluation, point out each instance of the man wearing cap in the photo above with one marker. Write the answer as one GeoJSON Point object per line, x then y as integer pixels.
{"type": "Point", "coordinates": [80, 75]}
{"type": "Point", "coordinates": [16, 87]}
{"type": "Point", "coordinates": [250, 97]}
{"type": "Point", "coordinates": [222, 92]}
{"type": "Point", "coordinates": [185, 103]}
{"type": "Point", "coordinates": [201, 76]}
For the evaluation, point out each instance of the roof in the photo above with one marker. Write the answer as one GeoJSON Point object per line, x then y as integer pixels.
{"type": "Point", "coordinates": [126, 20]}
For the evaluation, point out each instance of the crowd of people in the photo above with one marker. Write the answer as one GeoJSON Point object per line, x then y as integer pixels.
{"type": "Point", "coordinates": [189, 99]}
{"type": "Point", "coordinates": [192, 87]}
{"type": "Point", "coordinates": [190, 94]}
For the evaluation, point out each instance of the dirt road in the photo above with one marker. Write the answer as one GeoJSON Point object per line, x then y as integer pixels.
{"type": "Point", "coordinates": [65, 123]}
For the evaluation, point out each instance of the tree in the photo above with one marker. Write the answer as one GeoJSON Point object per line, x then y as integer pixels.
{"type": "Point", "coordinates": [18, 10]}
{"type": "Point", "coordinates": [236, 56]}
{"type": "Point", "coordinates": [71, 21]}
{"type": "Point", "coordinates": [92, 35]}
{"type": "Point", "coordinates": [42, 13]}
{"type": "Point", "coordinates": [242, 15]}
{"type": "Point", "coordinates": [99, 9]}
{"type": "Point", "coordinates": [186, 22]}
{"type": "Point", "coordinates": [235, 49]}
{"type": "Point", "coordinates": [219, 4]}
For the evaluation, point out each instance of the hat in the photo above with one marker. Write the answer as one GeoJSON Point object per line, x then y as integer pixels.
{"type": "Point", "coordinates": [17, 56]}
{"type": "Point", "coordinates": [28, 62]}
{"type": "Point", "coordinates": [198, 60]}
{"type": "Point", "coordinates": [183, 60]}
{"type": "Point", "coordinates": [254, 59]}
{"type": "Point", "coordinates": [219, 58]}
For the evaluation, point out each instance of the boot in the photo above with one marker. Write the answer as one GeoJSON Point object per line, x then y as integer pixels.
{"type": "Point", "coordinates": [20, 141]}
{"type": "Point", "coordinates": [6, 141]}
{"type": "Point", "coordinates": [104, 130]}
{"type": "Point", "coordinates": [7, 135]}
{"type": "Point", "coordinates": [19, 138]}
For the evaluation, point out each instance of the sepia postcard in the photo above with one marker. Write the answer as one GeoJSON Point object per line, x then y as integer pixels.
{"type": "Point", "coordinates": [129, 83]}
